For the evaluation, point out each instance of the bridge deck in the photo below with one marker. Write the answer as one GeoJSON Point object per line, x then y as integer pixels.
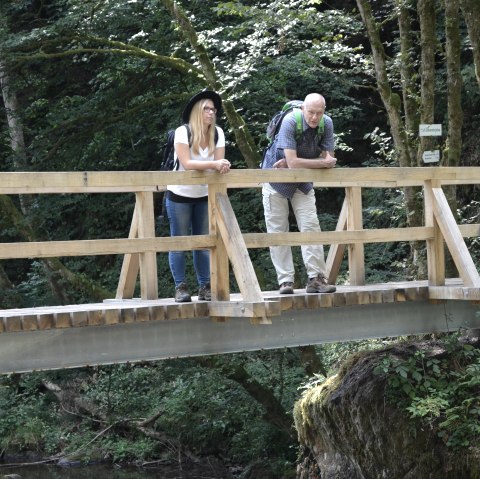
{"type": "Point", "coordinates": [119, 331]}
{"type": "Point", "coordinates": [118, 311]}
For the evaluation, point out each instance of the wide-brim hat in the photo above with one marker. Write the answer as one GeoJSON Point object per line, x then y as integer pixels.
{"type": "Point", "coordinates": [211, 95]}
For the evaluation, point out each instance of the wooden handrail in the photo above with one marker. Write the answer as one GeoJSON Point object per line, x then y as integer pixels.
{"type": "Point", "coordinates": [136, 181]}
{"type": "Point", "coordinates": [228, 244]}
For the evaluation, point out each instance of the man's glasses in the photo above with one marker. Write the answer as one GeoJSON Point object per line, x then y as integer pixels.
{"type": "Point", "coordinates": [208, 109]}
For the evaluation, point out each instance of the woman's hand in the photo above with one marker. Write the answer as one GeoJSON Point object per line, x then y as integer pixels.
{"type": "Point", "coordinates": [222, 166]}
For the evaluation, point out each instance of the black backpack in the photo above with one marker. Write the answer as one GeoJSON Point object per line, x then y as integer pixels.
{"type": "Point", "coordinates": [170, 161]}
{"type": "Point", "coordinates": [274, 125]}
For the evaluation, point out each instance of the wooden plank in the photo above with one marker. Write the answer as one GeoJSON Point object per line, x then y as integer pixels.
{"type": "Point", "coordinates": [149, 181]}
{"type": "Point", "coordinates": [13, 324]}
{"type": "Point", "coordinates": [435, 247]}
{"type": "Point", "coordinates": [201, 309]}
{"type": "Point", "coordinates": [239, 309]}
{"type": "Point", "coordinates": [388, 296]}
{"type": "Point", "coordinates": [237, 250]}
{"type": "Point", "coordinates": [469, 231]}
{"type": "Point", "coordinates": [264, 240]}
{"type": "Point", "coordinates": [400, 295]}
{"type": "Point", "coordinates": [455, 242]}
{"type": "Point", "coordinates": [62, 320]}
{"type": "Point", "coordinates": [54, 249]}
{"type": "Point", "coordinates": [454, 292]}
{"type": "Point", "coordinates": [286, 302]}
{"type": "Point", "coordinates": [46, 321]}
{"type": "Point", "coordinates": [339, 300]}
{"type": "Point", "coordinates": [128, 315]}
{"type": "Point", "coordinates": [148, 259]}
{"type": "Point", "coordinates": [300, 301]}
{"type": "Point", "coordinates": [79, 318]}
{"type": "Point", "coordinates": [142, 314]}
{"type": "Point", "coordinates": [337, 250]}
{"type": "Point", "coordinates": [219, 266]}
{"type": "Point", "coordinates": [326, 300]}
{"type": "Point", "coordinates": [130, 265]}
{"type": "Point", "coordinates": [273, 308]}
{"type": "Point", "coordinates": [157, 313]}
{"type": "Point", "coordinates": [363, 297]}
{"type": "Point", "coordinates": [187, 310]}
{"type": "Point", "coordinates": [351, 298]}
{"type": "Point", "coordinates": [356, 254]}
{"type": "Point", "coordinates": [112, 316]}
{"type": "Point", "coordinates": [95, 318]}
{"type": "Point", "coordinates": [312, 301]}
{"type": "Point", "coordinates": [29, 322]}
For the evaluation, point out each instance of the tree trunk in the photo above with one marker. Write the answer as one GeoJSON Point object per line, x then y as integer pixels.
{"type": "Point", "coordinates": [408, 74]}
{"type": "Point", "coordinates": [393, 107]}
{"type": "Point", "coordinates": [453, 147]}
{"type": "Point", "coordinates": [471, 12]}
{"type": "Point", "coordinates": [454, 84]}
{"type": "Point", "coordinates": [426, 16]}
{"type": "Point", "coordinates": [390, 99]}
{"type": "Point", "coordinates": [55, 271]}
{"type": "Point", "coordinates": [311, 361]}
{"type": "Point", "coordinates": [275, 413]}
{"type": "Point", "coordinates": [244, 139]}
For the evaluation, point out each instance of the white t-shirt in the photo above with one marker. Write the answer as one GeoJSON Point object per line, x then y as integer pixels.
{"type": "Point", "coordinates": [194, 191]}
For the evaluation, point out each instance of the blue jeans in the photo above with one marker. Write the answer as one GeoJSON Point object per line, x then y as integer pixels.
{"type": "Point", "coordinates": [189, 219]}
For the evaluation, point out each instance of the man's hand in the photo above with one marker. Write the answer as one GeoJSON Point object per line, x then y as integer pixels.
{"type": "Point", "coordinates": [328, 162]}
{"type": "Point", "coordinates": [281, 163]}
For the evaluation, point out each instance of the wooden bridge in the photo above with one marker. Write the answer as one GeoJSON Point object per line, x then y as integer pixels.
{"type": "Point", "coordinates": [125, 329]}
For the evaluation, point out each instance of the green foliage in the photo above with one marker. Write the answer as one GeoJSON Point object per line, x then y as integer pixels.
{"type": "Point", "coordinates": [26, 420]}
{"type": "Point", "coordinates": [441, 389]}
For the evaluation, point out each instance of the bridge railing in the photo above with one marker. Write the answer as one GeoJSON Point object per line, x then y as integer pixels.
{"type": "Point", "coordinates": [229, 246]}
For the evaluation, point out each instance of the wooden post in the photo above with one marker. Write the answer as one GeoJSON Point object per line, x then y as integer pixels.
{"type": "Point", "coordinates": [130, 265]}
{"type": "Point", "coordinates": [435, 247]}
{"type": "Point", "coordinates": [454, 239]}
{"type": "Point", "coordinates": [356, 255]}
{"type": "Point", "coordinates": [148, 259]}
{"type": "Point", "coordinates": [219, 267]}
{"type": "Point", "coordinates": [337, 250]}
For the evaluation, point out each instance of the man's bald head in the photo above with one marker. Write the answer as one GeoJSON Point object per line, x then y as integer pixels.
{"type": "Point", "coordinates": [313, 109]}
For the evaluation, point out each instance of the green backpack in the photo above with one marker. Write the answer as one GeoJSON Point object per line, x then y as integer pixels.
{"type": "Point", "coordinates": [274, 126]}
{"type": "Point", "coordinates": [293, 105]}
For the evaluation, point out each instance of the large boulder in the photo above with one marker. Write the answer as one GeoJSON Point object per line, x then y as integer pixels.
{"type": "Point", "coordinates": [348, 429]}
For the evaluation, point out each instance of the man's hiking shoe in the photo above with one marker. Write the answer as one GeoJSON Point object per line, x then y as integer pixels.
{"type": "Point", "coordinates": [319, 284]}
{"type": "Point", "coordinates": [286, 288]}
{"type": "Point", "coordinates": [204, 292]}
{"type": "Point", "coordinates": [181, 294]}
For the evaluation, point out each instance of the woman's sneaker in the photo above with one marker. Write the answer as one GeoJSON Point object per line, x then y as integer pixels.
{"type": "Point", "coordinates": [319, 284]}
{"type": "Point", "coordinates": [205, 293]}
{"type": "Point", "coordinates": [182, 294]}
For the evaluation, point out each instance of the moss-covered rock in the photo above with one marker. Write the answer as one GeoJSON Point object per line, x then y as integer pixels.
{"type": "Point", "coordinates": [349, 429]}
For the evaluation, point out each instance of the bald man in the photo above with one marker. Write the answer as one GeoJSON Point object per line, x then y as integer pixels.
{"type": "Point", "coordinates": [313, 149]}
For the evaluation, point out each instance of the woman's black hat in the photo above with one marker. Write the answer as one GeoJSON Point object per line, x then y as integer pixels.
{"type": "Point", "coordinates": [211, 95]}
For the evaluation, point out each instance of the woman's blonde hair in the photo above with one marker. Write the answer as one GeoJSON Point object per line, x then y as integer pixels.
{"type": "Point", "coordinates": [196, 128]}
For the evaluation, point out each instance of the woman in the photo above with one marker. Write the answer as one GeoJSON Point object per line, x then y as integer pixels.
{"type": "Point", "coordinates": [199, 145]}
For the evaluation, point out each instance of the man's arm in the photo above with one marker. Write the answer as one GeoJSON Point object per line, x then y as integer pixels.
{"type": "Point", "coordinates": [291, 160]}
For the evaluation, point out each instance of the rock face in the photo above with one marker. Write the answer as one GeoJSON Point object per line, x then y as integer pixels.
{"type": "Point", "coordinates": [349, 430]}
